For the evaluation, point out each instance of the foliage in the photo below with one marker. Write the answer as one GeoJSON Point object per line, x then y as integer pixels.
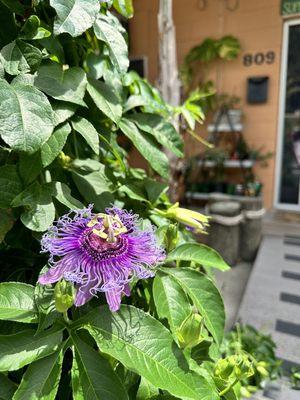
{"type": "Point", "coordinates": [261, 348]}
{"type": "Point", "coordinates": [295, 378]}
{"type": "Point", "coordinates": [225, 48]}
{"type": "Point", "coordinates": [69, 109]}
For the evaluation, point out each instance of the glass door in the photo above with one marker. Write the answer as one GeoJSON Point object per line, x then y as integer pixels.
{"type": "Point", "coordinates": [288, 151]}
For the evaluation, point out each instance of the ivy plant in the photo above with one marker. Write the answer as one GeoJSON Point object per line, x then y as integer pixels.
{"type": "Point", "coordinates": [70, 113]}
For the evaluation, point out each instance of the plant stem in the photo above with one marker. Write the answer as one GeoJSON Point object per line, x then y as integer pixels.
{"type": "Point", "coordinates": [66, 318]}
{"type": "Point", "coordinates": [226, 390]}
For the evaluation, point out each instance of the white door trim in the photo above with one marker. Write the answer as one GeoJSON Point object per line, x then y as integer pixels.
{"type": "Point", "coordinates": [281, 113]}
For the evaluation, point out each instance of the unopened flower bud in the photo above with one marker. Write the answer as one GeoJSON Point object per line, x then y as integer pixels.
{"type": "Point", "coordinates": [189, 334]}
{"type": "Point", "coordinates": [64, 295]}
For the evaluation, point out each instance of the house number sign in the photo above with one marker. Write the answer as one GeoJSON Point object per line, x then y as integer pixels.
{"type": "Point", "coordinates": [259, 58]}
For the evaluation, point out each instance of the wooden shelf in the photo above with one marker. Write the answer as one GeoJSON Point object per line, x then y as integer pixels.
{"type": "Point", "coordinates": [207, 196]}
{"type": "Point", "coordinates": [228, 163]}
{"type": "Point", "coordinates": [225, 128]}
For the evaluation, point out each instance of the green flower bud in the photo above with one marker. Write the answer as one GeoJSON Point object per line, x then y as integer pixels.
{"type": "Point", "coordinates": [224, 368]}
{"type": "Point", "coordinates": [171, 237]}
{"type": "Point", "coordinates": [189, 334]}
{"type": "Point", "coordinates": [64, 295]}
{"type": "Point", "coordinates": [260, 366]}
{"type": "Point", "coordinates": [198, 222]}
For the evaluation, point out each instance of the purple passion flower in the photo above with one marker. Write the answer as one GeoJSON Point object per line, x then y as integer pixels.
{"type": "Point", "coordinates": [100, 253]}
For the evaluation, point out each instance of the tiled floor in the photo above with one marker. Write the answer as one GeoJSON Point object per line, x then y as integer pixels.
{"type": "Point", "coordinates": [272, 298]}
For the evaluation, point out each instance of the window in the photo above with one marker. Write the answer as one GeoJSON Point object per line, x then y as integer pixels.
{"type": "Point", "coordinates": [288, 155]}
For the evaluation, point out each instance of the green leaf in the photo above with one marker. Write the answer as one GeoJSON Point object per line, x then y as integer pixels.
{"type": "Point", "coordinates": [20, 57]}
{"type": "Point", "coordinates": [7, 388]}
{"type": "Point", "coordinates": [134, 101]}
{"type": "Point", "coordinates": [146, 390]}
{"type": "Point", "coordinates": [200, 254]}
{"type": "Point", "coordinates": [87, 131]}
{"type": "Point", "coordinates": [24, 347]}
{"type": "Point", "coordinates": [44, 300]}
{"type": "Point", "coordinates": [10, 184]}
{"type": "Point", "coordinates": [163, 131]}
{"type": "Point", "coordinates": [171, 301]}
{"type": "Point", "coordinates": [17, 302]}
{"type": "Point", "coordinates": [63, 194]}
{"type": "Point", "coordinates": [117, 46]}
{"type": "Point", "coordinates": [133, 191]}
{"type": "Point", "coordinates": [146, 147]}
{"type": "Point", "coordinates": [26, 117]}
{"type": "Point", "coordinates": [154, 189]}
{"type": "Point", "coordinates": [143, 345]}
{"type": "Point", "coordinates": [124, 7]}
{"type": "Point", "coordinates": [6, 223]}
{"type": "Point", "coordinates": [205, 297]}
{"type": "Point", "coordinates": [66, 85]}
{"type": "Point", "coordinates": [77, 390]}
{"type": "Point", "coordinates": [40, 211]}
{"type": "Point", "coordinates": [41, 379]}
{"type": "Point", "coordinates": [62, 111]}
{"type": "Point", "coordinates": [30, 165]}
{"type": "Point", "coordinates": [8, 29]}
{"type": "Point", "coordinates": [54, 145]}
{"type": "Point", "coordinates": [105, 99]}
{"type": "Point", "coordinates": [96, 377]}
{"type": "Point", "coordinates": [95, 188]}
{"type": "Point", "coordinates": [74, 16]}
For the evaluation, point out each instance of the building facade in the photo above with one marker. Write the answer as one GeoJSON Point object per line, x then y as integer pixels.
{"type": "Point", "coordinates": [269, 33]}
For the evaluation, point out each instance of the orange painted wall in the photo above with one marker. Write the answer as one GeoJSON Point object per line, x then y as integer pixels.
{"type": "Point", "coordinates": [258, 25]}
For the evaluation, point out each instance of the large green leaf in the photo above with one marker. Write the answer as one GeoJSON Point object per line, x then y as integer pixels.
{"type": "Point", "coordinates": [26, 117]}
{"type": "Point", "coordinates": [77, 390]}
{"type": "Point", "coordinates": [40, 211]}
{"type": "Point", "coordinates": [17, 302]}
{"type": "Point", "coordinates": [41, 379]}
{"type": "Point", "coordinates": [200, 254]}
{"type": "Point", "coordinates": [74, 16]}
{"type": "Point", "coordinates": [157, 159]}
{"type": "Point", "coordinates": [95, 188]}
{"type": "Point", "coordinates": [117, 46]}
{"type": "Point", "coordinates": [96, 377]}
{"type": "Point", "coordinates": [6, 222]}
{"type": "Point", "coordinates": [62, 193]}
{"type": "Point", "coordinates": [171, 301]}
{"type": "Point", "coordinates": [24, 347]}
{"type": "Point", "coordinates": [146, 347]}
{"type": "Point", "coordinates": [163, 131]}
{"type": "Point", "coordinates": [62, 111]}
{"type": "Point", "coordinates": [7, 388]}
{"type": "Point", "coordinates": [10, 185]}
{"type": "Point", "coordinates": [54, 145]}
{"type": "Point", "coordinates": [20, 57]}
{"type": "Point", "coordinates": [66, 85]}
{"type": "Point", "coordinates": [87, 131]}
{"type": "Point", "coordinates": [124, 7]}
{"type": "Point", "coordinates": [205, 297]}
{"type": "Point", "coordinates": [30, 166]}
{"type": "Point", "coordinates": [105, 99]}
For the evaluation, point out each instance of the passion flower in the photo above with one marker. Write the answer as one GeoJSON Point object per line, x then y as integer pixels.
{"type": "Point", "coordinates": [100, 253]}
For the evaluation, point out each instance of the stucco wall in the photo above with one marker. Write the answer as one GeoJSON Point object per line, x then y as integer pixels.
{"type": "Point", "coordinates": [258, 25]}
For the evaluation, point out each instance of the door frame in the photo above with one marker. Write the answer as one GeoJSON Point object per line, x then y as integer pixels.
{"type": "Point", "coordinates": [281, 113]}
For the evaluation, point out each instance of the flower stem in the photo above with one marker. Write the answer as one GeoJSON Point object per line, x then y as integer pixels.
{"type": "Point", "coordinates": [226, 390]}
{"type": "Point", "coordinates": [66, 318]}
